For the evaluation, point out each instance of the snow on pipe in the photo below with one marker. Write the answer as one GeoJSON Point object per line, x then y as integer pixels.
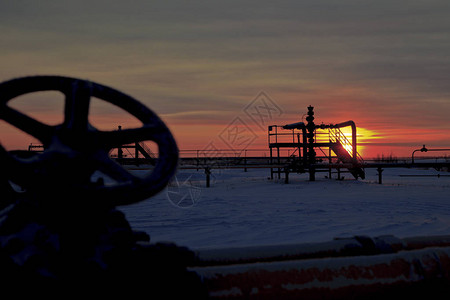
{"type": "Point", "coordinates": [425, 270]}
{"type": "Point", "coordinates": [355, 267]}
{"type": "Point", "coordinates": [358, 245]}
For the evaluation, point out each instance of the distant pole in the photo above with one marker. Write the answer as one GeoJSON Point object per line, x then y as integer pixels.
{"type": "Point", "coordinates": [198, 160]}
{"type": "Point", "coordinates": [271, 163]}
{"type": "Point", "coordinates": [208, 175]}
{"type": "Point", "coordinates": [286, 176]}
{"type": "Point", "coordinates": [380, 171]}
{"type": "Point", "coordinates": [279, 162]}
{"type": "Point", "coordinates": [245, 160]}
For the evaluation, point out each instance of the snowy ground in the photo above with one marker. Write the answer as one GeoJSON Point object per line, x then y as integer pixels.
{"type": "Point", "coordinates": [245, 208]}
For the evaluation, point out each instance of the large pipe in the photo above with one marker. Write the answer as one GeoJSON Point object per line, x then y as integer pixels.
{"type": "Point", "coordinates": [351, 268]}
{"type": "Point", "coordinates": [402, 275]}
{"type": "Point", "coordinates": [298, 125]}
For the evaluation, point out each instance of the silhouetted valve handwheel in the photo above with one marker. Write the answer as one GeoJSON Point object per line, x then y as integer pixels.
{"type": "Point", "coordinates": [74, 150]}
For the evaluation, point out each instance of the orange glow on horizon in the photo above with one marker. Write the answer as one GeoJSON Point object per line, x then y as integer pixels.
{"type": "Point", "coordinates": [373, 142]}
{"type": "Point", "coordinates": [364, 137]}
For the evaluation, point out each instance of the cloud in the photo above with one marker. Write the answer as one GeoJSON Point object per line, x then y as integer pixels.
{"type": "Point", "coordinates": [383, 62]}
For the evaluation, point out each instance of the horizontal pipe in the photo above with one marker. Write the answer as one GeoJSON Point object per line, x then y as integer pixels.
{"type": "Point", "coordinates": [344, 268]}
{"type": "Point", "coordinates": [298, 125]}
{"type": "Point", "coordinates": [317, 166]}
{"type": "Point", "coordinates": [438, 175]}
{"type": "Point", "coordinates": [424, 272]}
{"type": "Point", "coordinates": [358, 245]}
{"type": "Point", "coordinates": [334, 248]}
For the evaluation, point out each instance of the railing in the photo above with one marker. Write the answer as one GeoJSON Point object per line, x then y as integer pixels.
{"type": "Point", "coordinates": [336, 135]}
{"type": "Point", "coordinates": [148, 150]}
{"type": "Point", "coordinates": [283, 136]}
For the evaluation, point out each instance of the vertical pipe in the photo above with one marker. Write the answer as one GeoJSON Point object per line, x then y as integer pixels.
{"type": "Point", "coordinates": [305, 146]}
{"type": "Point", "coordinates": [311, 153]}
{"type": "Point", "coordinates": [329, 160]}
{"type": "Point", "coordinates": [271, 163]}
{"type": "Point", "coordinates": [279, 162]}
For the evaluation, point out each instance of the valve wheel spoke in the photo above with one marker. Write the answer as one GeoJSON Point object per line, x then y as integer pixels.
{"type": "Point", "coordinates": [41, 131]}
{"type": "Point", "coordinates": [78, 98]}
{"type": "Point", "coordinates": [84, 149]}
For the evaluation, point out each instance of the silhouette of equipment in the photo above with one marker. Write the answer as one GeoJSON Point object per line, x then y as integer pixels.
{"type": "Point", "coordinates": [61, 234]}
{"type": "Point", "coordinates": [308, 140]}
{"type": "Point", "coordinates": [59, 227]}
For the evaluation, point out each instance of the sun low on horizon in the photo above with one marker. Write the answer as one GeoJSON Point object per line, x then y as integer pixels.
{"type": "Point", "coordinates": [197, 136]}
{"type": "Point", "coordinates": [219, 73]}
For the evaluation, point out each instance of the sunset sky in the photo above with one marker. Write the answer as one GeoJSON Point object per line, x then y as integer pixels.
{"type": "Point", "coordinates": [212, 69]}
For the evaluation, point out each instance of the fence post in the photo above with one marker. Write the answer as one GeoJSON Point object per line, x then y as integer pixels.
{"type": "Point", "coordinates": [380, 171]}
{"type": "Point", "coordinates": [245, 160]}
{"type": "Point", "coordinates": [208, 175]}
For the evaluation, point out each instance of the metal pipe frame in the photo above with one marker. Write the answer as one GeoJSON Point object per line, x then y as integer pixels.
{"type": "Point", "coordinates": [341, 125]}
